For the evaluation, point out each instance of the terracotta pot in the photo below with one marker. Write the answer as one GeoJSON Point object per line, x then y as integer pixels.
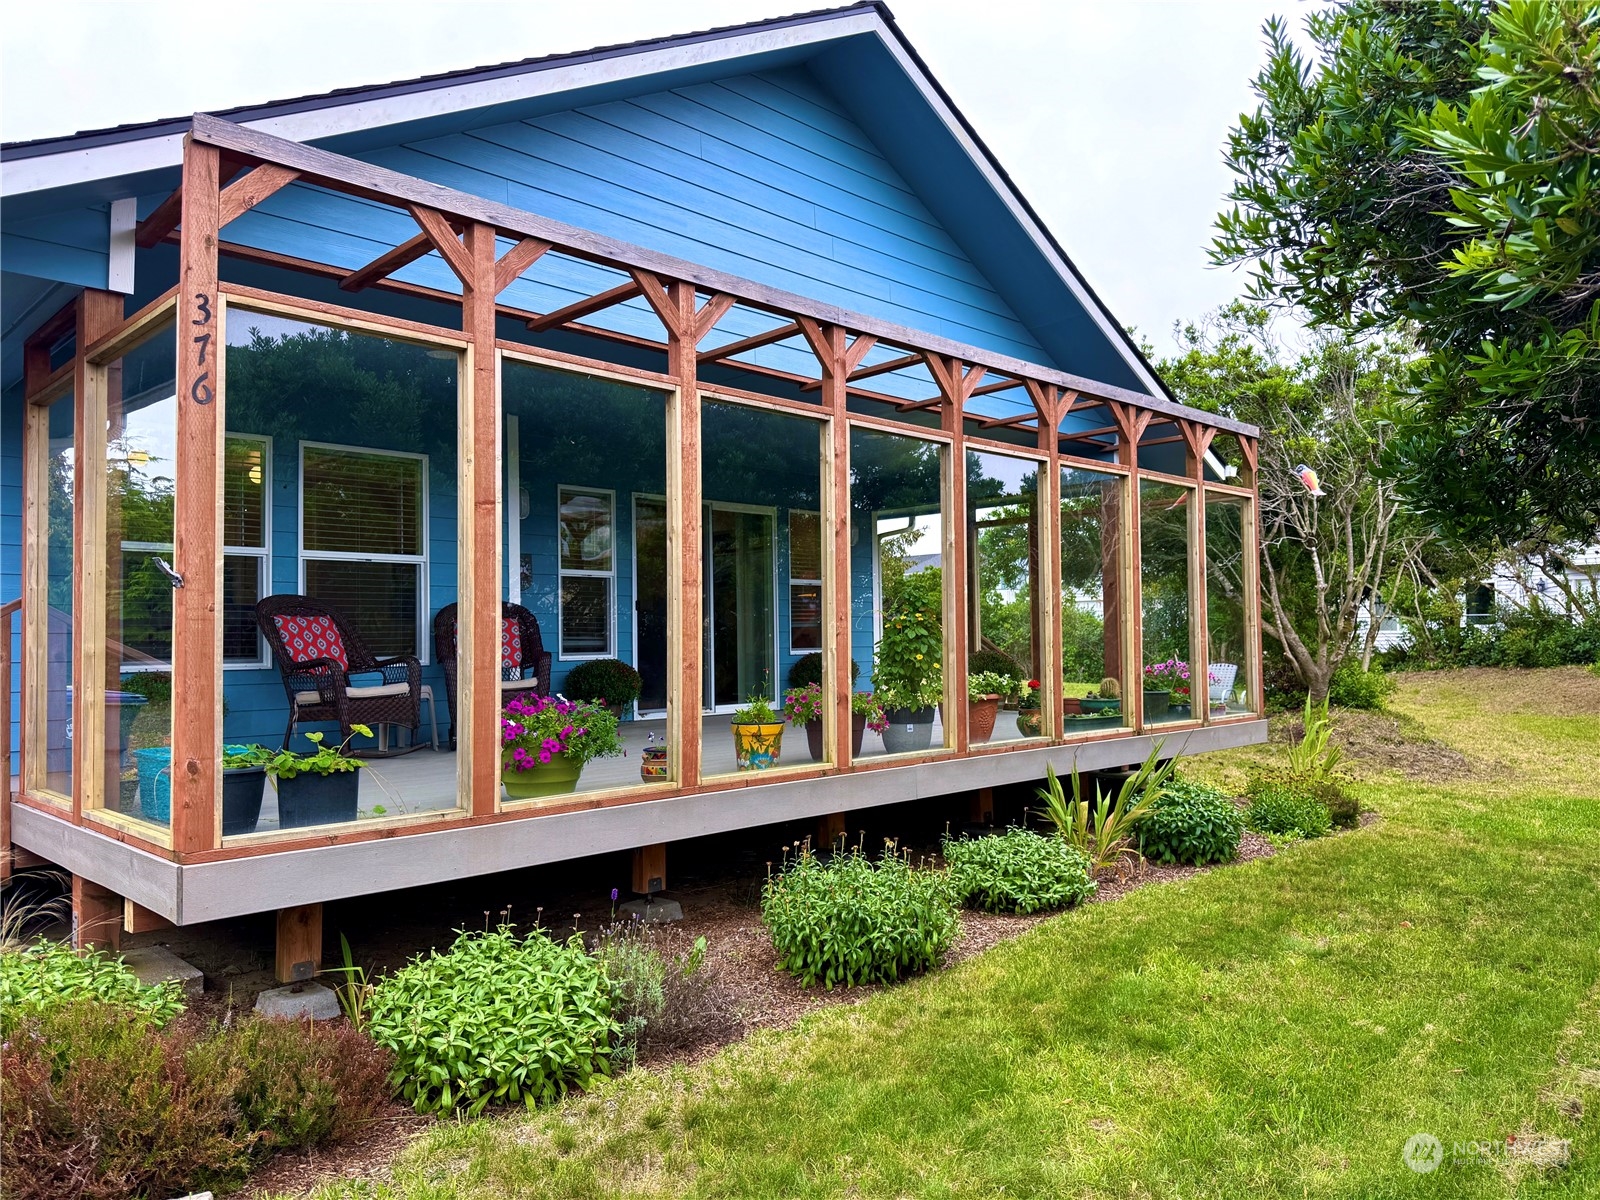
{"type": "Point", "coordinates": [757, 746]}
{"type": "Point", "coordinates": [1029, 723]}
{"type": "Point", "coordinates": [1071, 706]}
{"type": "Point", "coordinates": [980, 718]}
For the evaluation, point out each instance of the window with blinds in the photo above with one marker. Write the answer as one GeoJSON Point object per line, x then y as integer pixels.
{"type": "Point", "coordinates": [363, 517]}
{"type": "Point", "coordinates": [588, 572]}
{"type": "Point", "coordinates": [805, 581]}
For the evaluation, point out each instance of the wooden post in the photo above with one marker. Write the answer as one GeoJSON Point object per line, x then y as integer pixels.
{"type": "Point", "coordinates": [299, 947]}
{"type": "Point", "coordinates": [650, 869]}
{"type": "Point", "coordinates": [136, 918]}
{"type": "Point", "coordinates": [1051, 404]}
{"type": "Point", "coordinates": [479, 509]}
{"type": "Point", "coordinates": [981, 806]}
{"type": "Point", "coordinates": [830, 828]}
{"type": "Point", "coordinates": [197, 523]}
{"type": "Point", "coordinates": [1198, 440]}
{"type": "Point", "coordinates": [956, 381]}
{"type": "Point", "coordinates": [1130, 427]}
{"type": "Point", "coordinates": [96, 916]}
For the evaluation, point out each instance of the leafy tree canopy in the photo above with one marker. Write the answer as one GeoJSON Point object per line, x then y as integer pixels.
{"type": "Point", "coordinates": [1433, 170]}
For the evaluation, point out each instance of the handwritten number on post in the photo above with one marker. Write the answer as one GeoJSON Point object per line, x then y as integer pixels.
{"type": "Point", "coordinates": [200, 391]}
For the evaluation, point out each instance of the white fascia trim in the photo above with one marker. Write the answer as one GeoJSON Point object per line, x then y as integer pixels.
{"type": "Point", "coordinates": [70, 166]}
{"type": "Point", "coordinates": [1009, 197]}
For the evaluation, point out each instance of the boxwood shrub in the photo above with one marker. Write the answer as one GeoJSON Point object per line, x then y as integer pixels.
{"type": "Point", "coordinates": [1017, 871]}
{"type": "Point", "coordinates": [497, 1018]}
{"type": "Point", "coordinates": [1285, 809]}
{"type": "Point", "coordinates": [49, 974]}
{"type": "Point", "coordinates": [851, 921]}
{"type": "Point", "coordinates": [1191, 823]}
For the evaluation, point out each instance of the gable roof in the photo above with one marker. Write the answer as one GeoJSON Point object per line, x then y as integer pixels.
{"type": "Point", "coordinates": [905, 109]}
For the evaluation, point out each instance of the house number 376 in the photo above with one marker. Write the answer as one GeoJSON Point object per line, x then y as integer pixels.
{"type": "Point", "coordinates": [200, 390]}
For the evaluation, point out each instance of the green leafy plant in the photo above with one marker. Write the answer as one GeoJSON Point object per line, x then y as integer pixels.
{"type": "Point", "coordinates": [757, 710]}
{"type": "Point", "coordinates": [993, 661]}
{"type": "Point", "coordinates": [852, 921]}
{"type": "Point", "coordinates": [238, 757]}
{"type": "Point", "coordinates": [908, 660]}
{"type": "Point", "coordinates": [1191, 823]}
{"type": "Point", "coordinates": [496, 1019]}
{"type": "Point", "coordinates": [533, 729]}
{"type": "Point", "coordinates": [604, 681]}
{"type": "Point", "coordinates": [1017, 871]}
{"type": "Point", "coordinates": [1313, 757]}
{"type": "Point", "coordinates": [803, 705]}
{"type": "Point", "coordinates": [49, 974]}
{"type": "Point", "coordinates": [1282, 808]}
{"type": "Point", "coordinates": [355, 991]}
{"type": "Point", "coordinates": [807, 669]}
{"type": "Point", "coordinates": [324, 760]}
{"type": "Point", "coordinates": [982, 684]}
{"type": "Point", "coordinates": [1104, 829]}
{"type": "Point", "coordinates": [1351, 687]}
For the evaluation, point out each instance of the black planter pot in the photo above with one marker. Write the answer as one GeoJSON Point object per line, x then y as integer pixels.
{"type": "Point", "coordinates": [311, 799]}
{"type": "Point", "coordinates": [241, 799]}
{"type": "Point", "coordinates": [910, 729]}
{"type": "Point", "coordinates": [858, 730]}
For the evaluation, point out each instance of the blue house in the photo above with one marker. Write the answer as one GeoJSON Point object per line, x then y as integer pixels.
{"type": "Point", "coordinates": [686, 377]}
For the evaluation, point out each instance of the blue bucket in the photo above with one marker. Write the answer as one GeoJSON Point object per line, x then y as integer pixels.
{"type": "Point", "coordinates": [155, 783]}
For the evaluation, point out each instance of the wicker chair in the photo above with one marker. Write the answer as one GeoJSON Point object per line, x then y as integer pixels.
{"type": "Point", "coordinates": [524, 662]}
{"type": "Point", "coordinates": [318, 651]}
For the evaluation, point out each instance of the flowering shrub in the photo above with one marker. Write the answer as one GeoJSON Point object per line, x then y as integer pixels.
{"type": "Point", "coordinates": [989, 683]}
{"type": "Point", "coordinates": [534, 729]}
{"type": "Point", "coordinates": [1173, 676]}
{"type": "Point", "coordinates": [909, 664]}
{"type": "Point", "coordinates": [803, 705]}
{"type": "Point", "coordinates": [1028, 693]}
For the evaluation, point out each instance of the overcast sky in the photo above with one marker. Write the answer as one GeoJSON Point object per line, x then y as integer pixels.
{"type": "Point", "coordinates": [1110, 116]}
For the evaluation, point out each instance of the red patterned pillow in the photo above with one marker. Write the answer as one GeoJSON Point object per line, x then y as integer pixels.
{"type": "Point", "coordinates": [511, 648]}
{"type": "Point", "coordinates": [310, 638]}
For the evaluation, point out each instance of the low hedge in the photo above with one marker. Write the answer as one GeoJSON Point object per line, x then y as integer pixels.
{"type": "Point", "coordinates": [1191, 823]}
{"type": "Point", "coordinates": [1017, 871]}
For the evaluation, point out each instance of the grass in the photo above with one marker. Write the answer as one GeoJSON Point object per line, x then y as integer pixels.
{"type": "Point", "coordinates": [1275, 1029]}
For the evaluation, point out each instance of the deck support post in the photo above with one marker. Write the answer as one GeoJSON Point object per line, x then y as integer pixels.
{"type": "Point", "coordinates": [830, 829]}
{"type": "Point", "coordinates": [650, 869]}
{"type": "Point", "coordinates": [981, 810]}
{"type": "Point", "coordinates": [299, 948]}
{"type": "Point", "coordinates": [197, 525]}
{"type": "Point", "coordinates": [96, 916]}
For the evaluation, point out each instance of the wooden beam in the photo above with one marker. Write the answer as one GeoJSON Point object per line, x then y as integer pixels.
{"type": "Point", "coordinates": [444, 240]}
{"type": "Point", "coordinates": [162, 220]}
{"type": "Point", "coordinates": [479, 512]}
{"type": "Point", "coordinates": [675, 306]}
{"type": "Point", "coordinates": [96, 916]}
{"type": "Point", "coordinates": [650, 869]}
{"type": "Point", "coordinates": [353, 177]}
{"type": "Point", "coordinates": [387, 263]}
{"type": "Point", "coordinates": [714, 309]}
{"type": "Point", "coordinates": [999, 422]}
{"type": "Point", "coordinates": [1002, 385]}
{"type": "Point", "coordinates": [882, 368]}
{"type": "Point", "coordinates": [197, 529]}
{"type": "Point", "coordinates": [298, 953]}
{"type": "Point", "coordinates": [753, 342]}
{"type": "Point", "coordinates": [517, 260]}
{"type": "Point", "coordinates": [584, 308]}
{"type": "Point", "coordinates": [240, 196]}
{"type": "Point", "coordinates": [136, 918]}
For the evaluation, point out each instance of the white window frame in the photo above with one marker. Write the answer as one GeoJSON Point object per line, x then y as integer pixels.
{"type": "Point", "coordinates": [421, 561]}
{"type": "Point", "coordinates": [789, 515]}
{"type": "Point", "coordinates": [262, 554]}
{"type": "Point", "coordinates": [610, 496]}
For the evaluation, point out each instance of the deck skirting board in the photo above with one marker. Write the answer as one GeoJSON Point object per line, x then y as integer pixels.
{"type": "Point", "coordinates": [213, 891]}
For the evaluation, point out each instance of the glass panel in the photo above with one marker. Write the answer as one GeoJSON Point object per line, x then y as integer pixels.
{"type": "Point", "coordinates": [761, 473]}
{"type": "Point", "coordinates": [896, 585]}
{"type": "Point", "coordinates": [591, 454]}
{"type": "Point", "coordinates": [141, 442]}
{"type": "Point", "coordinates": [342, 446]}
{"type": "Point", "coordinates": [1230, 667]}
{"type": "Point", "coordinates": [61, 452]}
{"type": "Point", "coordinates": [1164, 583]}
{"type": "Point", "coordinates": [1002, 530]}
{"type": "Point", "coordinates": [1093, 607]}
{"type": "Point", "coordinates": [360, 503]}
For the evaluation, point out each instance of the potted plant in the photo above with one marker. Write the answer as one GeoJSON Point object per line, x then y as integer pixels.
{"type": "Point", "coordinates": [1029, 719]}
{"type": "Point", "coordinates": [808, 669]}
{"type": "Point", "coordinates": [757, 735]}
{"type": "Point", "coordinates": [999, 663]}
{"type": "Point", "coordinates": [653, 762]}
{"type": "Point", "coordinates": [244, 779]}
{"type": "Point", "coordinates": [908, 675]}
{"type": "Point", "coordinates": [803, 706]}
{"type": "Point", "coordinates": [984, 690]}
{"type": "Point", "coordinates": [545, 743]}
{"type": "Point", "coordinates": [908, 716]}
{"type": "Point", "coordinates": [1107, 700]}
{"type": "Point", "coordinates": [605, 681]}
{"type": "Point", "coordinates": [1166, 688]}
{"type": "Point", "coordinates": [1071, 706]}
{"type": "Point", "coordinates": [319, 788]}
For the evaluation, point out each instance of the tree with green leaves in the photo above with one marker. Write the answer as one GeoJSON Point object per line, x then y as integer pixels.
{"type": "Point", "coordinates": [1432, 171]}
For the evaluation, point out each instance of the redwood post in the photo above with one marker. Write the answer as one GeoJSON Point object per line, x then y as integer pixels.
{"type": "Point", "coordinates": [299, 944]}
{"type": "Point", "coordinates": [197, 524]}
{"type": "Point", "coordinates": [650, 869]}
{"type": "Point", "coordinates": [96, 916]}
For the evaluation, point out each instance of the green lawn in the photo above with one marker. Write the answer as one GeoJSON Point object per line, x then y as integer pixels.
{"type": "Point", "coordinates": [1276, 1029]}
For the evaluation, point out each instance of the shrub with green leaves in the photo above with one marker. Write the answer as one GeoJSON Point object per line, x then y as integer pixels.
{"type": "Point", "coordinates": [1017, 871]}
{"type": "Point", "coordinates": [1286, 809]}
{"type": "Point", "coordinates": [49, 974]}
{"type": "Point", "coordinates": [1351, 687]}
{"type": "Point", "coordinates": [851, 921]}
{"type": "Point", "coordinates": [1191, 823]}
{"type": "Point", "coordinates": [496, 1019]}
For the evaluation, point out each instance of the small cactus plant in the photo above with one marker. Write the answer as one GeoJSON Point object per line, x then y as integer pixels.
{"type": "Point", "coordinates": [1110, 689]}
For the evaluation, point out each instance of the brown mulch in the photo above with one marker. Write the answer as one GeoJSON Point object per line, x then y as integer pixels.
{"type": "Point", "coordinates": [743, 967]}
{"type": "Point", "coordinates": [1379, 740]}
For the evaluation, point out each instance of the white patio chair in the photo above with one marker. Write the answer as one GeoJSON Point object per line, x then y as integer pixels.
{"type": "Point", "coordinates": [1222, 677]}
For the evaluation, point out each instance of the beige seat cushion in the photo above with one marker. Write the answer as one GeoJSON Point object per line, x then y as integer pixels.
{"type": "Point", "coordinates": [518, 685]}
{"type": "Point", "coordinates": [358, 693]}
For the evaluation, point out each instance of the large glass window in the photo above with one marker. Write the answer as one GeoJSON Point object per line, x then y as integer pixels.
{"type": "Point", "coordinates": [1094, 610]}
{"type": "Point", "coordinates": [897, 586]}
{"type": "Point", "coordinates": [588, 572]}
{"type": "Point", "coordinates": [761, 479]}
{"type": "Point", "coordinates": [1230, 669]}
{"type": "Point", "coordinates": [245, 562]}
{"type": "Point", "coordinates": [53, 772]}
{"type": "Point", "coordinates": [1004, 604]}
{"type": "Point", "coordinates": [1167, 651]}
{"type": "Point", "coordinates": [141, 495]}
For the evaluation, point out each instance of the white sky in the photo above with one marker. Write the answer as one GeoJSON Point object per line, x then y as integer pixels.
{"type": "Point", "coordinates": [1110, 115]}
